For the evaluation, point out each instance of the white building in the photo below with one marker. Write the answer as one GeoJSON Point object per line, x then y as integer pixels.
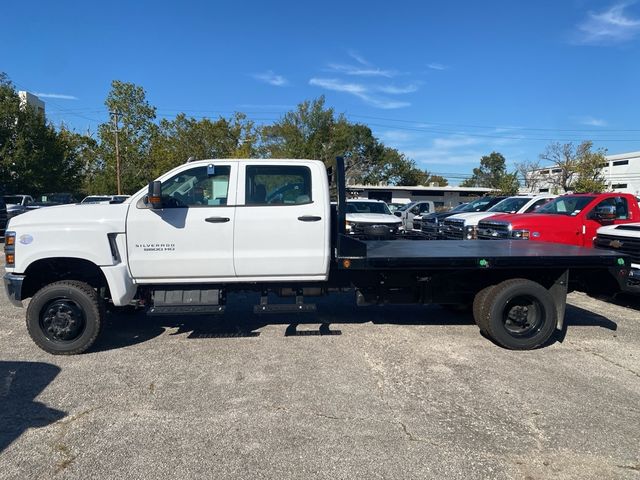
{"type": "Point", "coordinates": [29, 99]}
{"type": "Point", "coordinates": [441, 196]}
{"type": "Point", "coordinates": [621, 173]}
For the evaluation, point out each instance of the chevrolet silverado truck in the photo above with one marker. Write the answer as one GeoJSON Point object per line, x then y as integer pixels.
{"type": "Point", "coordinates": [211, 227]}
{"type": "Point", "coordinates": [408, 212]}
{"type": "Point", "coordinates": [464, 226]}
{"type": "Point", "coordinates": [623, 239]}
{"type": "Point", "coordinates": [432, 225]}
{"type": "Point", "coordinates": [570, 219]}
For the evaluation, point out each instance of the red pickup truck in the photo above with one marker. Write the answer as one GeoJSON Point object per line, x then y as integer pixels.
{"type": "Point", "coordinates": [571, 219]}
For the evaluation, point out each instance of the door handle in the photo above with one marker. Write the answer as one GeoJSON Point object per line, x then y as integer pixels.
{"type": "Point", "coordinates": [309, 218]}
{"type": "Point", "coordinates": [216, 219]}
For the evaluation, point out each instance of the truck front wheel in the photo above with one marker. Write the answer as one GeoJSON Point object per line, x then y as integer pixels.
{"type": "Point", "coordinates": [65, 318]}
{"type": "Point", "coordinates": [518, 314]}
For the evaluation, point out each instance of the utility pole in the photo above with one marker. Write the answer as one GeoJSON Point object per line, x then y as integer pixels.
{"type": "Point", "coordinates": [115, 116]}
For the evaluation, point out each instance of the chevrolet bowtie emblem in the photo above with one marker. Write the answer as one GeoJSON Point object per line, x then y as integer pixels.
{"type": "Point", "coordinates": [615, 243]}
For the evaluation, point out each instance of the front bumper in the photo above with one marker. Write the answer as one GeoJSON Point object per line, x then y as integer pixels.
{"type": "Point", "coordinates": [633, 283]}
{"type": "Point", "coordinates": [13, 288]}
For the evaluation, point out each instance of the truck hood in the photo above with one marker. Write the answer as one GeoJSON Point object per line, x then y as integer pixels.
{"type": "Point", "coordinates": [530, 220]}
{"type": "Point", "coordinates": [627, 230]}
{"type": "Point", "coordinates": [374, 218]}
{"type": "Point", "coordinates": [472, 218]}
{"type": "Point", "coordinates": [74, 217]}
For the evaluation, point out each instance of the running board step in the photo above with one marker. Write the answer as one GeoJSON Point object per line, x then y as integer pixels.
{"type": "Point", "coordinates": [188, 309]}
{"type": "Point", "coordinates": [298, 307]}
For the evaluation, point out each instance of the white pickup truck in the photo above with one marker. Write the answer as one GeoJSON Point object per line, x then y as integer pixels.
{"type": "Point", "coordinates": [210, 227]}
{"type": "Point", "coordinates": [624, 239]}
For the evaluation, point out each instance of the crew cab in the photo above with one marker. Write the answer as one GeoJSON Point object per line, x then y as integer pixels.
{"type": "Point", "coordinates": [432, 225]}
{"type": "Point", "coordinates": [623, 239]}
{"type": "Point", "coordinates": [570, 219]}
{"type": "Point", "coordinates": [211, 227]}
{"type": "Point", "coordinates": [371, 219]}
{"type": "Point", "coordinates": [464, 226]}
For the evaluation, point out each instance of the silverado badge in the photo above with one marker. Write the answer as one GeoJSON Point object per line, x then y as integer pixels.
{"type": "Point", "coordinates": [615, 244]}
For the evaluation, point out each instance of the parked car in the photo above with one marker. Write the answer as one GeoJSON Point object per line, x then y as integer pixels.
{"type": "Point", "coordinates": [51, 199]}
{"type": "Point", "coordinates": [371, 219]}
{"type": "Point", "coordinates": [571, 219]}
{"type": "Point", "coordinates": [104, 199]}
{"type": "Point", "coordinates": [464, 226]}
{"type": "Point", "coordinates": [431, 225]}
{"type": "Point", "coordinates": [413, 209]}
{"type": "Point", "coordinates": [17, 204]}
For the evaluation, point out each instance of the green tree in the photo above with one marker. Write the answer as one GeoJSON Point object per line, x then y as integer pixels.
{"type": "Point", "coordinates": [136, 129]}
{"type": "Point", "coordinates": [577, 168]}
{"type": "Point", "coordinates": [34, 157]}
{"type": "Point", "coordinates": [492, 173]}
{"type": "Point", "coordinates": [183, 137]}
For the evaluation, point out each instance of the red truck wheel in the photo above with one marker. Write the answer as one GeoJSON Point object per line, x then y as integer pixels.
{"type": "Point", "coordinates": [518, 314]}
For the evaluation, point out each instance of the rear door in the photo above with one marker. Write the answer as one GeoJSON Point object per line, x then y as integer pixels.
{"type": "Point", "coordinates": [282, 220]}
{"type": "Point", "coordinates": [191, 237]}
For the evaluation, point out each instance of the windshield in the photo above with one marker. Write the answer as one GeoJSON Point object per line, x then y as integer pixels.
{"type": "Point", "coordinates": [568, 205]}
{"type": "Point", "coordinates": [406, 207]}
{"type": "Point", "coordinates": [510, 205]}
{"type": "Point", "coordinates": [12, 200]}
{"type": "Point", "coordinates": [479, 205]}
{"type": "Point", "coordinates": [95, 199]}
{"type": "Point", "coordinates": [368, 207]}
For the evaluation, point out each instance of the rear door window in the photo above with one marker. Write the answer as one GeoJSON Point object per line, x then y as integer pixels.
{"type": "Point", "coordinates": [277, 185]}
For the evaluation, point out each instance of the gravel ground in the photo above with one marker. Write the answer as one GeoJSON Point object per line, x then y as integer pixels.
{"type": "Point", "coordinates": [390, 392]}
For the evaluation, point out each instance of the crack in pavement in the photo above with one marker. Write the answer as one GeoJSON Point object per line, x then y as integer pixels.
{"type": "Point", "coordinates": [60, 447]}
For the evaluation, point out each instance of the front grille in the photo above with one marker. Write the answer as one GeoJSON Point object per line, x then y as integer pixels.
{"type": "Point", "coordinates": [431, 228]}
{"type": "Point", "coordinates": [493, 230]}
{"type": "Point", "coordinates": [453, 230]}
{"type": "Point", "coordinates": [627, 245]}
{"type": "Point", "coordinates": [370, 230]}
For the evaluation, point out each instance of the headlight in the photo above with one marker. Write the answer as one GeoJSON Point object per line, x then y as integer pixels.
{"type": "Point", "coordinates": [520, 234]}
{"type": "Point", "coordinates": [471, 232]}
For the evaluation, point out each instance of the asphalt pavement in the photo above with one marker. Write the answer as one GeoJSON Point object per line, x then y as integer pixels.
{"type": "Point", "coordinates": [391, 392]}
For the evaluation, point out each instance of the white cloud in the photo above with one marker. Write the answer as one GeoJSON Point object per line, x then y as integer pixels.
{"type": "Point", "coordinates": [357, 57]}
{"type": "Point", "coordinates": [271, 78]}
{"type": "Point", "coordinates": [366, 71]}
{"type": "Point", "coordinates": [437, 66]}
{"type": "Point", "coordinates": [394, 90]}
{"type": "Point", "coordinates": [363, 92]}
{"type": "Point", "coordinates": [591, 121]}
{"type": "Point", "coordinates": [396, 136]}
{"type": "Point", "coordinates": [611, 26]}
{"type": "Point", "coordinates": [59, 96]}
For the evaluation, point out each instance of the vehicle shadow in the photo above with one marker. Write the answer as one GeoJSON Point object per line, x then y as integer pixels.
{"type": "Point", "coordinates": [20, 384]}
{"type": "Point", "coordinates": [239, 320]}
{"type": "Point", "coordinates": [579, 317]}
{"type": "Point", "coordinates": [626, 300]}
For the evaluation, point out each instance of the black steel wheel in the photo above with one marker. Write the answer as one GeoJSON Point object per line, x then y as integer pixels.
{"type": "Point", "coordinates": [65, 318]}
{"type": "Point", "coordinates": [518, 314]}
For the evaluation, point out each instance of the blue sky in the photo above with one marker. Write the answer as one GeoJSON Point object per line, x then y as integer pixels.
{"type": "Point", "coordinates": [444, 82]}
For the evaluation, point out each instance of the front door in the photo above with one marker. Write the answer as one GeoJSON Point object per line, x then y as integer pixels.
{"type": "Point", "coordinates": [192, 235]}
{"type": "Point", "coordinates": [591, 224]}
{"type": "Point", "coordinates": [282, 221]}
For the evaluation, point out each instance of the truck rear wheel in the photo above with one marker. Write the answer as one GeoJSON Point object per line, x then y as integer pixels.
{"type": "Point", "coordinates": [480, 302]}
{"type": "Point", "coordinates": [518, 314]}
{"type": "Point", "coordinates": [65, 318]}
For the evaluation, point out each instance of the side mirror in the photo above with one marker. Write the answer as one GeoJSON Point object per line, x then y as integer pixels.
{"type": "Point", "coordinates": [605, 213]}
{"type": "Point", "coordinates": [398, 214]}
{"type": "Point", "coordinates": [154, 197]}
